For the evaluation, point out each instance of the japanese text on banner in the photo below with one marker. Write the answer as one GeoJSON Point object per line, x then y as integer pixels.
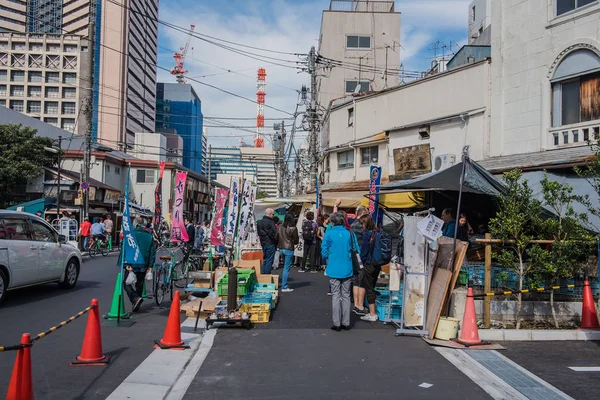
{"type": "Point", "coordinates": [178, 232]}
{"type": "Point", "coordinates": [216, 229]}
{"type": "Point", "coordinates": [232, 211]}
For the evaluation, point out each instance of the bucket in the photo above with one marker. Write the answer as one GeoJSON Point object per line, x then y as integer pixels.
{"type": "Point", "coordinates": [447, 328]}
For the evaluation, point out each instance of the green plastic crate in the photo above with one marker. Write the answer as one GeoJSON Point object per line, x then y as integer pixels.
{"type": "Point", "coordinates": [243, 288]}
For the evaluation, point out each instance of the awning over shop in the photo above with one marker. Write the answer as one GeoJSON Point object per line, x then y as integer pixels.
{"type": "Point", "coordinates": [477, 181]}
{"type": "Point", "coordinates": [354, 199]}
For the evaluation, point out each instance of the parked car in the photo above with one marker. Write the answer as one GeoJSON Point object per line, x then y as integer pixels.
{"type": "Point", "coordinates": [33, 253]}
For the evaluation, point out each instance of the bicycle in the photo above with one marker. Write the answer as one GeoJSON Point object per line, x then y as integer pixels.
{"type": "Point", "coordinates": [98, 245]}
{"type": "Point", "coordinates": [163, 279]}
{"type": "Point", "coordinates": [191, 262]}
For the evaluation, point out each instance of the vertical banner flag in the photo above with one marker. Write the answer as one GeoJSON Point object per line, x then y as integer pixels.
{"type": "Point", "coordinates": [131, 250]}
{"type": "Point", "coordinates": [317, 194]}
{"type": "Point", "coordinates": [374, 182]}
{"type": "Point", "coordinates": [178, 232]}
{"type": "Point", "coordinates": [216, 229]}
{"type": "Point", "coordinates": [158, 200]}
{"type": "Point", "coordinates": [232, 211]}
{"type": "Point", "coordinates": [247, 211]}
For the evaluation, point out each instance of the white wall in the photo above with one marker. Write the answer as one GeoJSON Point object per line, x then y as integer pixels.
{"type": "Point", "coordinates": [528, 41]}
{"type": "Point", "coordinates": [143, 193]}
{"type": "Point", "coordinates": [480, 21]}
{"type": "Point", "coordinates": [384, 29]}
{"type": "Point", "coordinates": [150, 146]}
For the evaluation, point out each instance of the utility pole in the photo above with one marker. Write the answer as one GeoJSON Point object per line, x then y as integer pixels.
{"type": "Point", "coordinates": [209, 180]}
{"type": "Point", "coordinates": [312, 115]}
{"type": "Point", "coordinates": [89, 114]}
{"type": "Point", "coordinates": [283, 162]}
{"type": "Point", "coordinates": [58, 180]}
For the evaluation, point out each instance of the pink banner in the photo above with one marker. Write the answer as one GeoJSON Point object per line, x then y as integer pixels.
{"type": "Point", "coordinates": [217, 235]}
{"type": "Point", "coordinates": [178, 232]}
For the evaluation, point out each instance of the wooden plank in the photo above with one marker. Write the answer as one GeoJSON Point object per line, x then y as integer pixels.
{"type": "Point", "coordinates": [487, 283]}
{"type": "Point", "coordinates": [461, 252]}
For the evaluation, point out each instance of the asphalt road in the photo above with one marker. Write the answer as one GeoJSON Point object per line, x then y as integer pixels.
{"type": "Point", "coordinates": [297, 356]}
{"type": "Point", "coordinates": [36, 309]}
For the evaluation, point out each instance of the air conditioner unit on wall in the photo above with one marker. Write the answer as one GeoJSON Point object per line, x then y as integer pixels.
{"type": "Point", "coordinates": [444, 161]}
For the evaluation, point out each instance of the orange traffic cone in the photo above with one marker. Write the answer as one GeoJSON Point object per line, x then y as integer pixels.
{"type": "Point", "coordinates": [91, 349]}
{"type": "Point", "coordinates": [469, 333]}
{"type": "Point", "coordinates": [589, 318]}
{"type": "Point", "coordinates": [21, 387]}
{"type": "Point", "coordinates": [172, 336]}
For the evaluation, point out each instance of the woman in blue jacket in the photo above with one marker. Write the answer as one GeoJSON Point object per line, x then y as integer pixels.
{"type": "Point", "coordinates": [336, 246]}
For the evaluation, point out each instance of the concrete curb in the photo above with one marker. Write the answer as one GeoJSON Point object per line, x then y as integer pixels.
{"type": "Point", "coordinates": [499, 335]}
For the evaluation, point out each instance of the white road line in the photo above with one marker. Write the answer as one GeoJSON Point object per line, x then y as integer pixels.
{"type": "Point", "coordinates": [494, 386]}
{"type": "Point", "coordinates": [585, 369]}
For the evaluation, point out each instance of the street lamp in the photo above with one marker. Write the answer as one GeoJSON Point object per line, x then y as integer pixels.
{"type": "Point", "coordinates": [57, 151]}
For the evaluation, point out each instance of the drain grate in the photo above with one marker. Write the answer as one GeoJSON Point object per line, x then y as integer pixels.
{"type": "Point", "coordinates": [527, 384]}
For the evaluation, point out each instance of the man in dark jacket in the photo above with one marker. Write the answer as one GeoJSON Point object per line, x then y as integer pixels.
{"type": "Point", "coordinates": [148, 250]}
{"type": "Point", "coordinates": [267, 232]}
{"type": "Point", "coordinates": [191, 231]}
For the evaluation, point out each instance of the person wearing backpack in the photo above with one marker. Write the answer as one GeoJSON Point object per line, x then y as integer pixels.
{"type": "Point", "coordinates": [376, 251]}
{"type": "Point", "coordinates": [309, 234]}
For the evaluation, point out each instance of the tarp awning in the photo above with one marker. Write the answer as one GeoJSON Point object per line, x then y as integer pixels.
{"type": "Point", "coordinates": [355, 199]}
{"type": "Point", "coordinates": [477, 181]}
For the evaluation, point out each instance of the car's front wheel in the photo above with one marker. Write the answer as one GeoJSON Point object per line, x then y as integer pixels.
{"type": "Point", "coordinates": [3, 285]}
{"type": "Point", "coordinates": [71, 274]}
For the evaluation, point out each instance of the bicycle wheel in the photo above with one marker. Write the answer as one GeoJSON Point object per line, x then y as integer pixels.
{"type": "Point", "coordinates": [103, 250]}
{"type": "Point", "coordinates": [159, 293]}
{"type": "Point", "coordinates": [93, 249]}
{"type": "Point", "coordinates": [180, 275]}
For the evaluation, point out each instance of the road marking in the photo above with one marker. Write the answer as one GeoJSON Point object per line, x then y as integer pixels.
{"type": "Point", "coordinates": [494, 386]}
{"type": "Point", "coordinates": [585, 369]}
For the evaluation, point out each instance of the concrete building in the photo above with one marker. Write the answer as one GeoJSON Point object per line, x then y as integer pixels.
{"type": "Point", "coordinates": [246, 161]}
{"type": "Point", "coordinates": [546, 75]}
{"type": "Point", "coordinates": [480, 23]}
{"type": "Point", "coordinates": [179, 108]}
{"type": "Point", "coordinates": [125, 48]}
{"type": "Point", "coordinates": [359, 42]}
{"type": "Point", "coordinates": [46, 77]}
{"type": "Point", "coordinates": [440, 114]}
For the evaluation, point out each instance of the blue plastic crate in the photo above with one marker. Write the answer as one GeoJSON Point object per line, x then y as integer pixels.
{"type": "Point", "coordinates": [259, 298]}
{"type": "Point", "coordinates": [387, 311]}
{"type": "Point", "coordinates": [264, 286]}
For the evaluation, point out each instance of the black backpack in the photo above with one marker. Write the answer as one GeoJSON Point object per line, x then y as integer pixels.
{"type": "Point", "coordinates": [308, 233]}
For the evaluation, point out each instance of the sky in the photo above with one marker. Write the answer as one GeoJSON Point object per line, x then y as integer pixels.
{"type": "Point", "coordinates": [286, 26]}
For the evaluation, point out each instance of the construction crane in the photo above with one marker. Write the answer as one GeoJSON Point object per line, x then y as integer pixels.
{"type": "Point", "coordinates": [178, 69]}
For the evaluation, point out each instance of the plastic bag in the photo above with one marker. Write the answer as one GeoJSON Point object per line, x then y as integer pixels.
{"type": "Point", "coordinates": [149, 275]}
{"type": "Point", "coordinates": [131, 278]}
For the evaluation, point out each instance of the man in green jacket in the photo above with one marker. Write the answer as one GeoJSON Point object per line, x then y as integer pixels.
{"type": "Point", "coordinates": [147, 247]}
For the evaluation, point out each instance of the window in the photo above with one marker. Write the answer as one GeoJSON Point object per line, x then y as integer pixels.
{"type": "Point", "coordinates": [52, 92]}
{"type": "Point", "coordinates": [52, 77]}
{"type": "Point", "coordinates": [69, 93]}
{"type": "Point", "coordinates": [53, 47]}
{"type": "Point", "coordinates": [358, 42]}
{"type": "Point", "coordinates": [34, 91]}
{"type": "Point", "coordinates": [69, 77]}
{"type": "Point", "coordinates": [145, 176]}
{"type": "Point", "coordinates": [14, 229]}
{"type": "Point", "coordinates": [70, 48]}
{"type": "Point", "coordinates": [3, 75]}
{"type": "Point", "coordinates": [3, 103]}
{"type": "Point", "coordinates": [68, 124]}
{"type": "Point", "coordinates": [576, 89]}
{"type": "Point", "coordinates": [556, 142]}
{"type": "Point", "coordinates": [575, 136]}
{"type": "Point", "coordinates": [473, 14]}
{"type": "Point", "coordinates": [35, 76]}
{"type": "Point", "coordinates": [351, 86]}
{"type": "Point", "coordinates": [2, 90]}
{"type": "Point", "coordinates": [18, 46]}
{"type": "Point", "coordinates": [17, 105]}
{"type": "Point", "coordinates": [51, 121]}
{"type": "Point", "coordinates": [118, 170]}
{"type": "Point", "coordinates": [17, 90]}
{"type": "Point", "coordinates": [565, 6]}
{"type": "Point", "coordinates": [565, 137]}
{"type": "Point", "coordinates": [34, 107]}
{"type": "Point", "coordinates": [369, 155]}
{"type": "Point", "coordinates": [68, 108]}
{"type": "Point", "coordinates": [586, 134]}
{"type": "Point", "coordinates": [107, 168]}
{"type": "Point", "coordinates": [351, 116]}
{"type": "Point", "coordinates": [3, 45]}
{"type": "Point", "coordinates": [346, 159]}
{"type": "Point", "coordinates": [51, 107]}
{"type": "Point", "coordinates": [17, 76]}
{"type": "Point", "coordinates": [43, 233]}
{"type": "Point", "coordinates": [36, 46]}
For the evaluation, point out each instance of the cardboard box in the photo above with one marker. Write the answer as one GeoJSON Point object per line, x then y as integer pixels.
{"type": "Point", "coordinates": [268, 279]}
{"type": "Point", "coordinates": [202, 279]}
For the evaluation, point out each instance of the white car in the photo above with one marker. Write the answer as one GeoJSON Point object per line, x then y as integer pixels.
{"type": "Point", "coordinates": [32, 253]}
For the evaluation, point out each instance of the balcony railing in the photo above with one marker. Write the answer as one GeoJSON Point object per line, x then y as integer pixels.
{"type": "Point", "coordinates": [574, 135]}
{"type": "Point", "coordinates": [362, 6]}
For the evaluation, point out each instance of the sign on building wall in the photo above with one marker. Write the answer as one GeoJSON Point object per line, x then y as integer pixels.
{"type": "Point", "coordinates": [412, 160]}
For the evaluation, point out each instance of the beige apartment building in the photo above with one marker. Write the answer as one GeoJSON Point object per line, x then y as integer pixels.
{"type": "Point", "coordinates": [125, 48]}
{"type": "Point", "coordinates": [46, 77]}
{"type": "Point", "coordinates": [358, 44]}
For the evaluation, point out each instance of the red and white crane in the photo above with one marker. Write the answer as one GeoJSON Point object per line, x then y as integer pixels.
{"type": "Point", "coordinates": [178, 69]}
{"type": "Point", "coordinates": [259, 140]}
